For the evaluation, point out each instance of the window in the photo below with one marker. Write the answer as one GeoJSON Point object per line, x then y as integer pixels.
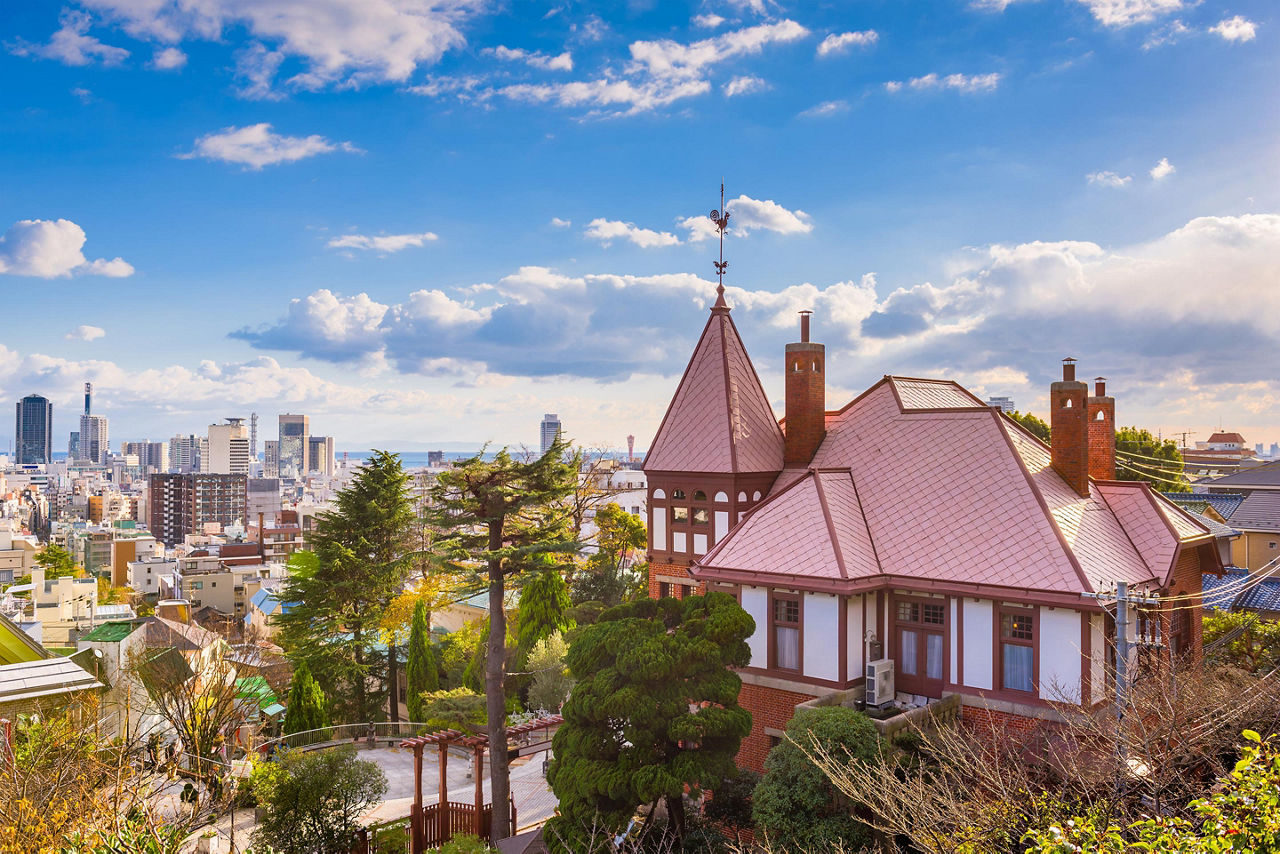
{"type": "Point", "coordinates": [677, 493]}
{"type": "Point", "coordinates": [680, 514]}
{"type": "Point", "coordinates": [700, 516]}
{"type": "Point", "coordinates": [1017, 650]}
{"type": "Point", "coordinates": [664, 590]}
{"type": "Point", "coordinates": [786, 632]}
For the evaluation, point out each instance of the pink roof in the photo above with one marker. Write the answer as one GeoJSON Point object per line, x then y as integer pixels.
{"type": "Point", "coordinates": [932, 394]}
{"type": "Point", "coordinates": [720, 419]}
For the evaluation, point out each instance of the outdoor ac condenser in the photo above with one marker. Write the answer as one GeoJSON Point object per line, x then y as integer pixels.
{"type": "Point", "coordinates": [879, 681]}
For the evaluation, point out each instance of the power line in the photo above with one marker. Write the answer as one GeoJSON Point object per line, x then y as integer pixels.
{"type": "Point", "coordinates": [1151, 476]}
{"type": "Point", "coordinates": [1145, 457]}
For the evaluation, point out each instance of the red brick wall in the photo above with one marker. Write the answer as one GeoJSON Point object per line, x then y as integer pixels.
{"type": "Point", "coordinates": [769, 707]}
{"type": "Point", "coordinates": [806, 422]}
{"type": "Point", "coordinates": [1102, 437]}
{"type": "Point", "coordinates": [1070, 441]}
{"type": "Point", "coordinates": [1188, 579]}
{"type": "Point", "coordinates": [990, 725]}
{"type": "Point", "coordinates": [670, 570]}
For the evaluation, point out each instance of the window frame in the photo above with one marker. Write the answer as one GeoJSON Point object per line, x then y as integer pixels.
{"type": "Point", "coordinates": [1033, 643]}
{"type": "Point", "coordinates": [776, 597]}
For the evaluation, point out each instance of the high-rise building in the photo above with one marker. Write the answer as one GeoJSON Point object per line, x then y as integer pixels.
{"type": "Point", "coordinates": [253, 437]}
{"type": "Point", "coordinates": [320, 455]}
{"type": "Point", "coordinates": [187, 453]}
{"type": "Point", "coordinates": [33, 432]}
{"type": "Point", "coordinates": [228, 448]}
{"type": "Point", "coordinates": [152, 456]}
{"type": "Point", "coordinates": [551, 429]}
{"type": "Point", "coordinates": [93, 439]}
{"type": "Point", "coordinates": [271, 458]}
{"type": "Point", "coordinates": [182, 504]}
{"type": "Point", "coordinates": [1004, 404]}
{"type": "Point", "coordinates": [73, 445]}
{"type": "Point", "coordinates": [295, 432]}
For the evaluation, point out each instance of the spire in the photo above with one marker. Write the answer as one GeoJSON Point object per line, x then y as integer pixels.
{"type": "Point", "coordinates": [721, 219]}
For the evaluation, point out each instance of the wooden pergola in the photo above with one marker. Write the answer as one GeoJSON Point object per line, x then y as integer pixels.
{"type": "Point", "coordinates": [435, 824]}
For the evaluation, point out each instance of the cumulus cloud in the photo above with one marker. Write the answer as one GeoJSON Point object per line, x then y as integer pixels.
{"type": "Point", "coordinates": [992, 5]}
{"type": "Point", "coordinates": [50, 249]}
{"type": "Point", "coordinates": [72, 44]}
{"type": "Point", "coordinates": [841, 42]}
{"type": "Point", "coordinates": [744, 85]}
{"type": "Point", "coordinates": [1235, 29]}
{"type": "Point", "coordinates": [86, 333]}
{"type": "Point", "coordinates": [557, 222]}
{"type": "Point", "coordinates": [747, 215]}
{"type": "Point", "coordinates": [388, 41]}
{"type": "Point", "coordinates": [168, 59]}
{"type": "Point", "coordinates": [965, 83]}
{"type": "Point", "coordinates": [707, 22]}
{"type": "Point", "coordinates": [1125, 13]}
{"type": "Point", "coordinates": [1162, 170]}
{"type": "Point", "coordinates": [255, 146]}
{"type": "Point", "coordinates": [609, 230]}
{"type": "Point", "coordinates": [825, 109]}
{"type": "Point", "coordinates": [1109, 179]}
{"type": "Point", "coordinates": [1170, 33]}
{"type": "Point", "coordinates": [534, 59]}
{"type": "Point", "coordinates": [385, 243]}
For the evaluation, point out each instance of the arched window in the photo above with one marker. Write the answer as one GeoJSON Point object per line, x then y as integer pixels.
{"type": "Point", "coordinates": [699, 495]}
{"type": "Point", "coordinates": [721, 496]}
{"type": "Point", "coordinates": [1102, 416]}
{"type": "Point", "coordinates": [659, 493]}
{"type": "Point", "coordinates": [1067, 405]}
{"type": "Point", "coordinates": [742, 496]}
{"type": "Point", "coordinates": [677, 493]}
{"type": "Point", "coordinates": [756, 497]}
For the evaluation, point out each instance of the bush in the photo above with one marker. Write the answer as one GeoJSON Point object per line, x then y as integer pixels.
{"type": "Point", "coordinates": [315, 802]}
{"type": "Point", "coordinates": [795, 803]}
{"type": "Point", "coordinates": [464, 844]}
{"type": "Point", "coordinates": [730, 804]}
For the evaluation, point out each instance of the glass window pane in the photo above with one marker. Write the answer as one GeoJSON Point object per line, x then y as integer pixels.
{"type": "Point", "coordinates": [679, 514]}
{"type": "Point", "coordinates": [1017, 667]}
{"type": "Point", "coordinates": [933, 656]}
{"type": "Point", "coordinates": [787, 641]}
{"type": "Point", "coordinates": [907, 652]}
{"type": "Point", "coordinates": [933, 615]}
{"type": "Point", "coordinates": [700, 516]}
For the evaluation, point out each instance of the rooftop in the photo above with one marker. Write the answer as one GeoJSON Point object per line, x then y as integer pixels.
{"type": "Point", "coordinates": [32, 680]}
{"type": "Point", "coordinates": [112, 632]}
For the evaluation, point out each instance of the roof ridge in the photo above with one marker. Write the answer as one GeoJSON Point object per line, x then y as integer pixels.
{"type": "Point", "coordinates": [831, 525]}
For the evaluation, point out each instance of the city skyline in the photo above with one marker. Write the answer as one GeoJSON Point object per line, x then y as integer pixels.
{"type": "Point", "coordinates": [436, 230]}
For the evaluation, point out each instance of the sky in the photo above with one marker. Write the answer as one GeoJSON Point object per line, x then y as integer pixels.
{"type": "Point", "coordinates": [425, 223]}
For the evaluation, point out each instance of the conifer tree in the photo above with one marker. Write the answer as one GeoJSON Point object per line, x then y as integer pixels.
{"type": "Point", "coordinates": [495, 518]}
{"type": "Point", "coordinates": [544, 605]}
{"type": "Point", "coordinates": [629, 736]}
{"type": "Point", "coordinates": [306, 703]}
{"type": "Point", "coordinates": [422, 672]}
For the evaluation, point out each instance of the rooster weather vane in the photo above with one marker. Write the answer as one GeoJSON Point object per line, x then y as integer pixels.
{"type": "Point", "coordinates": [721, 219]}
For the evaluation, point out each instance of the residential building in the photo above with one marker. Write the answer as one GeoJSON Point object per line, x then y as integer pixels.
{"type": "Point", "coordinates": [182, 504]}
{"type": "Point", "coordinates": [93, 439]}
{"type": "Point", "coordinates": [1261, 478]}
{"type": "Point", "coordinates": [550, 430]}
{"type": "Point", "coordinates": [17, 557]}
{"type": "Point", "coordinates": [264, 498]}
{"type": "Point", "coordinates": [145, 574]}
{"type": "Point", "coordinates": [1004, 404]}
{"type": "Point", "coordinates": [915, 528]}
{"type": "Point", "coordinates": [33, 431]}
{"type": "Point", "coordinates": [228, 448]}
{"type": "Point", "coordinates": [320, 455]}
{"type": "Point", "coordinates": [63, 599]}
{"type": "Point", "coordinates": [187, 453]}
{"type": "Point", "coordinates": [1221, 454]}
{"type": "Point", "coordinates": [153, 457]}
{"type": "Point", "coordinates": [294, 446]}
{"type": "Point", "coordinates": [31, 677]}
{"type": "Point", "coordinates": [262, 613]}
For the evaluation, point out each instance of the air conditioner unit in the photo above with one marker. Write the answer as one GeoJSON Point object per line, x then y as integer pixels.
{"type": "Point", "coordinates": [879, 681]}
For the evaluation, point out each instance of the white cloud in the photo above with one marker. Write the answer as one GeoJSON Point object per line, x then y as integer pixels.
{"type": "Point", "coordinates": [1162, 170]}
{"type": "Point", "coordinates": [168, 59]}
{"type": "Point", "coordinates": [825, 109]}
{"type": "Point", "coordinates": [72, 44]}
{"type": "Point", "coordinates": [83, 94]}
{"type": "Point", "coordinates": [744, 85]}
{"type": "Point", "coordinates": [1108, 179]}
{"type": "Point", "coordinates": [607, 94]}
{"type": "Point", "coordinates": [967, 84]}
{"type": "Point", "coordinates": [255, 146]}
{"type": "Point", "coordinates": [1170, 33]}
{"type": "Point", "coordinates": [381, 243]}
{"type": "Point", "coordinates": [1235, 29]}
{"type": "Point", "coordinates": [992, 5]}
{"type": "Point", "coordinates": [1124, 13]}
{"type": "Point", "coordinates": [534, 59]}
{"type": "Point", "coordinates": [707, 22]}
{"type": "Point", "coordinates": [668, 59]}
{"type": "Point", "coordinates": [608, 230]}
{"type": "Point", "coordinates": [346, 42]}
{"type": "Point", "coordinates": [840, 42]}
{"type": "Point", "coordinates": [557, 222]}
{"type": "Point", "coordinates": [86, 333]}
{"type": "Point", "coordinates": [50, 249]}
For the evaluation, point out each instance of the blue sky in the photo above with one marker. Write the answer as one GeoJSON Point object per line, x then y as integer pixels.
{"type": "Point", "coordinates": [431, 222]}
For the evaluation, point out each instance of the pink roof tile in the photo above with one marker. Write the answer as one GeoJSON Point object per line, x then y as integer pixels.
{"type": "Point", "coordinates": [933, 394]}
{"type": "Point", "coordinates": [1149, 533]}
{"type": "Point", "coordinates": [1184, 524]}
{"type": "Point", "coordinates": [720, 419]}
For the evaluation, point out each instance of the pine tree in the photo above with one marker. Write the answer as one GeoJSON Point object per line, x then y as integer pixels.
{"type": "Point", "coordinates": [422, 672]}
{"type": "Point", "coordinates": [495, 518]}
{"type": "Point", "coordinates": [544, 606]}
{"type": "Point", "coordinates": [306, 703]}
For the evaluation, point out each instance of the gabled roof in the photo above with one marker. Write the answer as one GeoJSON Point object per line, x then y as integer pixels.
{"type": "Point", "coordinates": [180, 636]}
{"type": "Point", "coordinates": [1258, 477]}
{"type": "Point", "coordinates": [720, 419]}
{"type": "Point", "coordinates": [1225, 503]}
{"type": "Point", "coordinates": [1222, 438]}
{"type": "Point", "coordinates": [1231, 592]}
{"type": "Point", "coordinates": [1260, 511]}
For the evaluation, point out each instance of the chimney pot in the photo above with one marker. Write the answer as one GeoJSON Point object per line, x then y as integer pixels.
{"type": "Point", "coordinates": [1099, 386]}
{"type": "Point", "coordinates": [1068, 370]}
{"type": "Point", "coordinates": [804, 326]}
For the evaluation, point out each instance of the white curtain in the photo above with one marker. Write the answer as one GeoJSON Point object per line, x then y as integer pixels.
{"type": "Point", "coordinates": [907, 653]}
{"type": "Point", "coordinates": [933, 656]}
{"type": "Point", "coordinates": [788, 641]}
{"type": "Point", "coordinates": [1017, 667]}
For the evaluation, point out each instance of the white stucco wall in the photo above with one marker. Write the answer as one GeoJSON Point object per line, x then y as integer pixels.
{"type": "Point", "coordinates": [953, 620]}
{"type": "Point", "coordinates": [856, 640]}
{"type": "Point", "coordinates": [755, 601]}
{"type": "Point", "coordinates": [821, 636]}
{"type": "Point", "coordinates": [977, 643]}
{"type": "Point", "coordinates": [1097, 661]}
{"type": "Point", "coordinates": [658, 524]}
{"type": "Point", "coordinates": [1060, 654]}
{"type": "Point", "coordinates": [722, 524]}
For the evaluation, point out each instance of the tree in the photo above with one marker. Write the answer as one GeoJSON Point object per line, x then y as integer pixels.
{"type": "Point", "coordinates": [1141, 456]}
{"type": "Point", "coordinates": [1242, 639]}
{"type": "Point", "coordinates": [306, 710]}
{"type": "Point", "coordinates": [654, 714]}
{"type": "Point", "coordinates": [56, 562]}
{"type": "Point", "coordinates": [422, 672]}
{"type": "Point", "coordinates": [544, 605]}
{"type": "Point", "coordinates": [197, 698]}
{"type": "Point", "coordinates": [495, 518]}
{"type": "Point", "coordinates": [608, 575]}
{"type": "Point", "coordinates": [317, 803]}
{"type": "Point", "coordinates": [1033, 425]}
{"type": "Point", "coordinates": [364, 551]}
{"type": "Point", "coordinates": [795, 803]}
{"type": "Point", "coordinates": [551, 680]}
{"type": "Point", "coordinates": [457, 708]}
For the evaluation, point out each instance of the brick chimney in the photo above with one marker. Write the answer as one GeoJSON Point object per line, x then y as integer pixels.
{"type": "Point", "coordinates": [1069, 424]}
{"type": "Point", "coordinates": [1102, 432]}
{"type": "Point", "coordinates": [806, 366]}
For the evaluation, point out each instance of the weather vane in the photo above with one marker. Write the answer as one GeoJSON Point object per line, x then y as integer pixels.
{"type": "Point", "coordinates": [721, 219]}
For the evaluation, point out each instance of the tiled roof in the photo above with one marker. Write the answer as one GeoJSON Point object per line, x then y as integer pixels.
{"type": "Point", "coordinates": [1223, 502]}
{"type": "Point", "coordinates": [932, 394]}
{"type": "Point", "coordinates": [181, 636]}
{"type": "Point", "coordinates": [1220, 438]}
{"type": "Point", "coordinates": [31, 680]}
{"type": "Point", "coordinates": [1215, 527]}
{"type": "Point", "coordinates": [720, 419]}
{"type": "Point", "coordinates": [1260, 511]}
{"type": "Point", "coordinates": [1232, 589]}
{"type": "Point", "coordinates": [1264, 475]}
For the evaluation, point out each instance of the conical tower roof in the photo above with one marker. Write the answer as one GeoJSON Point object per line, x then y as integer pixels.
{"type": "Point", "coordinates": [720, 420]}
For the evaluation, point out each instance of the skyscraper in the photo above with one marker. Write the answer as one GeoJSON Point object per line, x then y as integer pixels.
{"type": "Point", "coordinates": [33, 433]}
{"type": "Point", "coordinates": [187, 453]}
{"type": "Point", "coordinates": [92, 442]}
{"type": "Point", "coordinates": [551, 428]}
{"type": "Point", "coordinates": [182, 504]}
{"type": "Point", "coordinates": [295, 433]}
{"type": "Point", "coordinates": [320, 454]}
{"type": "Point", "coordinates": [228, 448]}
